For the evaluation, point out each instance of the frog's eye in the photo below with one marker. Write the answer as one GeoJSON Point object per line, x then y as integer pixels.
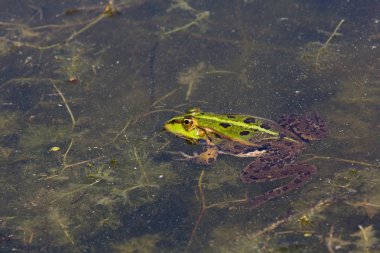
{"type": "Point", "coordinates": [188, 123]}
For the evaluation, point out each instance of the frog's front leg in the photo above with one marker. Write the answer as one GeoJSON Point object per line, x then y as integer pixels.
{"type": "Point", "coordinates": [205, 158]}
{"type": "Point", "coordinates": [302, 173]}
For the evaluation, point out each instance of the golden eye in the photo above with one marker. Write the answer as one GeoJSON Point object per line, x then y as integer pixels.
{"type": "Point", "coordinates": [188, 123]}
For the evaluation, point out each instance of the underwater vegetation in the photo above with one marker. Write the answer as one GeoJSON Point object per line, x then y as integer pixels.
{"type": "Point", "coordinates": [86, 86]}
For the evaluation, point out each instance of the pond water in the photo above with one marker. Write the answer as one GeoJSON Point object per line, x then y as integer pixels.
{"type": "Point", "coordinates": [85, 88]}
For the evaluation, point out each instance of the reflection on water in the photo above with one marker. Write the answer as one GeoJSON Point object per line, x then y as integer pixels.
{"type": "Point", "coordinates": [85, 89]}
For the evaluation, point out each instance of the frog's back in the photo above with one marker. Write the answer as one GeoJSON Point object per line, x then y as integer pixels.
{"type": "Point", "coordinates": [241, 127]}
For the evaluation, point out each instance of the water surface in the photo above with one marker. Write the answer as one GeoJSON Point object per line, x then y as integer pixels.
{"type": "Point", "coordinates": [86, 86]}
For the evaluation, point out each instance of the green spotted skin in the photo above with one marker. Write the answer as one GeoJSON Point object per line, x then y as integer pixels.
{"type": "Point", "coordinates": [275, 146]}
{"type": "Point", "coordinates": [239, 127]}
{"type": "Point", "coordinates": [245, 129]}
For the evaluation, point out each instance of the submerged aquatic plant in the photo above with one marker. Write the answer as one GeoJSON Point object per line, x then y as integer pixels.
{"type": "Point", "coordinates": [194, 75]}
{"type": "Point", "coordinates": [200, 17]}
{"type": "Point", "coordinates": [323, 53]}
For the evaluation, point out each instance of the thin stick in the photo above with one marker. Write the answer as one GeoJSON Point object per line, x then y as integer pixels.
{"type": "Point", "coordinates": [140, 186]}
{"type": "Point", "coordinates": [65, 156]}
{"type": "Point", "coordinates": [139, 162]}
{"type": "Point", "coordinates": [200, 16]}
{"type": "Point", "coordinates": [67, 40]}
{"type": "Point", "coordinates": [189, 90]}
{"type": "Point", "coordinates": [201, 213]}
{"type": "Point", "coordinates": [319, 207]}
{"type": "Point", "coordinates": [226, 203]}
{"type": "Point", "coordinates": [67, 106]}
{"type": "Point", "coordinates": [76, 164]}
{"type": "Point", "coordinates": [225, 72]}
{"type": "Point", "coordinates": [362, 204]}
{"type": "Point", "coordinates": [204, 207]}
{"type": "Point", "coordinates": [121, 132]}
{"type": "Point", "coordinates": [324, 46]}
{"type": "Point", "coordinates": [334, 33]}
{"type": "Point", "coordinates": [329, 241]}
{"type": "Point", "coordinates": [165, 96]}
{"type": "Point", "coordinates": [365, 237]}
{"type": "Point", "coordinates": [339, 160]}
{"type": "Point", "coordinates": [29, 79]}
{"type": "Point", "coordinates": [59, 26]}
{"type": "Point", "coordinates": [89, 25]}
{"type": "Point", "coordinates": [76, 190]}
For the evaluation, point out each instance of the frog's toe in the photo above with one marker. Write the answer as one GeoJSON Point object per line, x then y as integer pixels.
{"type": "Point", "coordinates": [186, 157]}
{"type": "Point", "coordinates": [183, 156]}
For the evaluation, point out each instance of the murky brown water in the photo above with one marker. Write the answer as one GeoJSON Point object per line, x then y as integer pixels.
{"type": "Point", "coordinates": [86, 86]}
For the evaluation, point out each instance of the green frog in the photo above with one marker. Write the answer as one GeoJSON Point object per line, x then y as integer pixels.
{"type": "Point", "coordinates": [275, 145]}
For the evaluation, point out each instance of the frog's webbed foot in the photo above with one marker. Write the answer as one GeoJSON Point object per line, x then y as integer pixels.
{"type": "Point", "coordinates": [302, 173]}
{"type": "Point", "coordinates": [307, 127]}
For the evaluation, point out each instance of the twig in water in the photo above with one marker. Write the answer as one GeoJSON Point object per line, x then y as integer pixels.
{"type": "Point", "coordinates": [66, 105]}
{"type": "Point", "coordinates": [324, 46]}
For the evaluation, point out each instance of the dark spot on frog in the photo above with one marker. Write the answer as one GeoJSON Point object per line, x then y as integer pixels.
{"type": "Point", "coordinates": [287, 143]}
{"type": "Point", "coordinates": [242, 133]}
{"type": "Point", "coordinates": [281, 135]}
{"type": "Point", "coordinates": [225, 125]}
{"type": "Point", "coordinates": [210, 160]}
{"type": "Point", "coordinates": [265, 126]}
{"type": "Point", "coordinates": [284, 172]}
{"type": "Point", "coordinates": [230, 116]}
{"type": "Point", "coordinates": [250, 149]}
{"type": "Point", "coordinates": [285, 188]}
{"type": "Point", "coordinates": [307, 173]}
{"type": "Point", "coordinates": [262, 148]}
{"type": "Point", "coordinates": [249, 120]}
{"type": "Point", "coordinates": [253, 178]}
{"type": "Point", "coordinates": [297, 181]}
{"type": "Point", "coordinates": [267, 168]}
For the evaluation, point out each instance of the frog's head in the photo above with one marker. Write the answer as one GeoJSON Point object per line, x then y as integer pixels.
{"type": "Point", "coordinates": [186, 126]}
